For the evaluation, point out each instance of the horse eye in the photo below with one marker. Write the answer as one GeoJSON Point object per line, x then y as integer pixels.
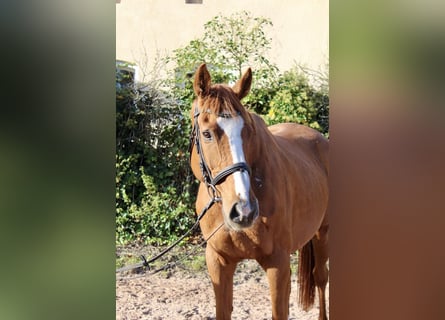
{"type": "Point", "coordinates": [207, 135]}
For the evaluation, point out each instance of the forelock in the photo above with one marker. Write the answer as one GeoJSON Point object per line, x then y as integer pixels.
{"type": "Point", "coordinates": [222, 100]}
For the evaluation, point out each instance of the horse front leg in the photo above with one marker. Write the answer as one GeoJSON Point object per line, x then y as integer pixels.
{"type": "Point", "coordinates": [277, 267]}
{"type": "Point", "coordinates": [221, 273]}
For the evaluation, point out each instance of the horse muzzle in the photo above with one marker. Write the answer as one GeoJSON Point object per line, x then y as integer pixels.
{"type": "Point", "coordinates": [243, 214]}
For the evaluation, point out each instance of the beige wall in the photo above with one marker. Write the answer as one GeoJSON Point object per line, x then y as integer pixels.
{"type": "Point", "coordinates": [300, 29]}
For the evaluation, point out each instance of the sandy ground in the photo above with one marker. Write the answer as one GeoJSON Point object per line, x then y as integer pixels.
{"type": "Point", "coordinates": [182, 293]}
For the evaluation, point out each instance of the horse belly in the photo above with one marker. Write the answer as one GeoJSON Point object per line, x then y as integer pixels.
{"type": "Point", "coordinates": [309, 211]}
{"type": "Point", "coordinates": [302, 202]}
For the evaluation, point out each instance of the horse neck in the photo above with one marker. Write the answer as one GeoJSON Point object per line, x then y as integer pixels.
{"type": "Point", "coordinates": [265, 144]}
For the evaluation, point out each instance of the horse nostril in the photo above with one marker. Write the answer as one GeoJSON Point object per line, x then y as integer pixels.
{"type": "Point", "coordinates": [234, 214]}
{"type": "Point", "coordinates": [241, 214]}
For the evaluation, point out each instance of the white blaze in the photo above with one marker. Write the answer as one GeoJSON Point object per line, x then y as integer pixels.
{"type": "Point", "coordinates": [232, 128]}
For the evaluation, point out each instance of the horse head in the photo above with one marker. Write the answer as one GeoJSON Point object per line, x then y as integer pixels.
{"type": "Point", "coordinates": [223, 149]}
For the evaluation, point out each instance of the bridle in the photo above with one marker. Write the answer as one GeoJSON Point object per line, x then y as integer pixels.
{"type": "Point", "coordinates": [210, 181]}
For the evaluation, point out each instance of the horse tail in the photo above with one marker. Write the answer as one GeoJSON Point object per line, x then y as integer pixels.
{"type": "Point", "coordinates": [306, 263]}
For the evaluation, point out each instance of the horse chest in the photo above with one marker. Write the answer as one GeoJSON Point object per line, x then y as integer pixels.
{"type": "Point", "coordinates": [249, 244]}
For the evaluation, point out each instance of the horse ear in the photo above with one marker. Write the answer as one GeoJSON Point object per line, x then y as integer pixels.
{"type": "Point", "coordinates": [202, 82]}
{"type": "Point", "coordinates": [242, 86]}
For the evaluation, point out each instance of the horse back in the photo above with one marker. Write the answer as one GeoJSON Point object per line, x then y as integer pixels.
{"type": "Point", "coordinates": [302, 142]}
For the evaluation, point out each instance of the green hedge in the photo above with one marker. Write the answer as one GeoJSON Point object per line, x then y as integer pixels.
{"type": "Point", "coordinates": [153, 180]}
{"type": "Point", "coordinates": [294, 99]}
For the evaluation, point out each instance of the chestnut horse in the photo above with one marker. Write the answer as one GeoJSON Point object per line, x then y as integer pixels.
{"type": "Point", "coordinates": [270, 190]}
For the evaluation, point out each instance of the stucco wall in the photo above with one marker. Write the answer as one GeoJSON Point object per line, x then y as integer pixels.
{"type": "Point", "coordinates": [300, 29]}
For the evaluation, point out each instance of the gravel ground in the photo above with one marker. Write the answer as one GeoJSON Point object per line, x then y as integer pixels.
{"type": "Point", "coordinates": [185, 292]}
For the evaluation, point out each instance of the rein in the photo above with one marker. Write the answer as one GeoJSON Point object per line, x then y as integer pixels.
{"type": "Point", "coordinates": [146, 263]}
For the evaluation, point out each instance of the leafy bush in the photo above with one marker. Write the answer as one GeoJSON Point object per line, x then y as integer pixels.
{"type": "Point", "coordinates": [228, 46]}
{"type": "Point", "coordinates": [160, 217]}
{"type": "Point", "coordinates": [294, 99]}
{"type": "Point", "coordinates": [153, 179]}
